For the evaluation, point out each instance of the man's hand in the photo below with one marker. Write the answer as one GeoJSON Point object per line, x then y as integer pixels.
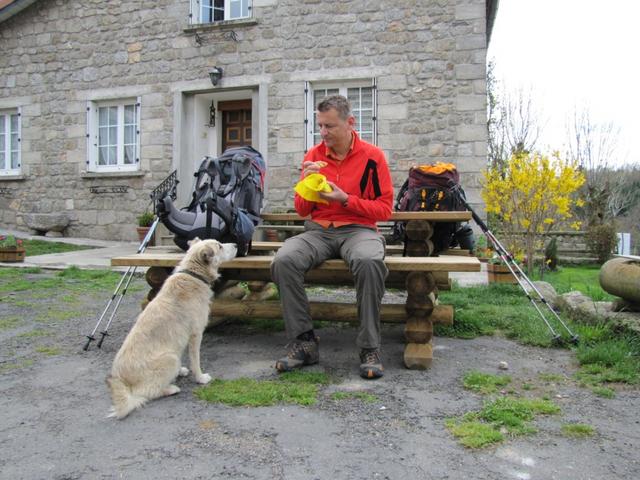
{"type": "Point", "coordinates": [312, 167]}
{"type": "Point", "coordinates": [336, 195]}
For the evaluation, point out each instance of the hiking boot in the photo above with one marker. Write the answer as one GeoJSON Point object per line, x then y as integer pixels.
{"type": "Point", "coordinates": [299, 354]}
{"type": "Point", "coordinates": [370, 363]}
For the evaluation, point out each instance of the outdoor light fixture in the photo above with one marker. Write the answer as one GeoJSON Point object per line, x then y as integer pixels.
{"type": "Point", "coordinates": [215, 75]}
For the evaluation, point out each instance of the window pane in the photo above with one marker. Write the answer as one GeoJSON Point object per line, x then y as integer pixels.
{"type": "Point", "coordinates": [353, 94]}
{"type": "Point", "coordinates": [102, 155]}
{"type": "Point", "coordinates": [14, 124]}
{"type": "Point", "coordinates": [367, 97]}
{"type": "Point", "coordinates": [129, 114]}
{"type": "Point", "coordinates": [113, 156]}
{"type": "Point", "coordinates": [14, 159]}
{"type": "Point", "coordinates": [103, 116]}
{"type": "Point", "coordinates": [113, 135]}
{"type": "Point", "coordinates": [129, 135]}
{"type": "Point", "coordinates": [128, 155]}
{"type": "Point", "coordinates": [103, 138]}
{"type": "Point", "coordinates": [2, 165]}
{"type": "Point", "coordinates": [113, 115]}
{"type": "Point", "coordinates": [235, 9]}
{"type": "Point", "coordinates": [218, 10]}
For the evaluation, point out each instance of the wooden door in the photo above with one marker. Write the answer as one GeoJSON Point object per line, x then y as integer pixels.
{"type": "Point", "coordinates": [236, 123]}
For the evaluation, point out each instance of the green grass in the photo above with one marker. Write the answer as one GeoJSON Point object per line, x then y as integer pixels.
{"type": "Point", "coordinates": [577, 430]}
{"type": "Point", "coordinates": [613, 359]}
{"type": "Point", "coordinates": [484, 383]}
{"type": "Point", "coordinates": [9, 323]}
{"type": "Point", "coordinates": [300, 388]}
{"type": "Point", "coordinates": [73, 280]}
{"type": "Point", "coordinates": [48, 350]}
{"type": "Point", "coordinates": [7, 367]}
{"type": "Point", "coordinates": [474, 434]}
{"type": "Point", "coordinates": [605, 355]}
{"type": "Point", "coordinates": [363, 396]}
{"type": "Point", "coordinates": [551, 377]}
{"type": "Point", "coordinates": [604, 392]}
{"type": "Point", "coordinates": [505, 414]}
{"type": "Point", "coordinates": [583, 278]}
{"type": "Point", "coordinates": [494, 309]}
{"type": "Point", "coordinates": [42, 247]}
{"type": "Point", "coordinates": [35, 333]}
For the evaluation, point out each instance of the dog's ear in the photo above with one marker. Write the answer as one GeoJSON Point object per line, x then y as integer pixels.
{"type": "Point", "coordinates": [193, 242]}
{"type": "Point", "coordinates": [208, 253]}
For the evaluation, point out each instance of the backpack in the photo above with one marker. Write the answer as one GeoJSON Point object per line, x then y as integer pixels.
{"type": "Point", "coordinates": [226, 202]}
{"type": "Point", "coordinates": [427, 188]}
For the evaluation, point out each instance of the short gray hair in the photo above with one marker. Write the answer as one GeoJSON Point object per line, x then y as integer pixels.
{"type": "Point", "coordinates": [339, 103]}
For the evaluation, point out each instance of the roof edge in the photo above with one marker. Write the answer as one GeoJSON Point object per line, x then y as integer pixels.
{"type": "Point", "coordinates": [13, 8]}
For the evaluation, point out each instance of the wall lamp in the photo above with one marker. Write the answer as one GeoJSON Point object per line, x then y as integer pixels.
{"type": "Point", "coordinates": [215, 74]}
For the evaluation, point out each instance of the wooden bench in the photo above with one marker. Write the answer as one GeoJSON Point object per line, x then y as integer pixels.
{"type": "Point", "coordinates": [421, 274]}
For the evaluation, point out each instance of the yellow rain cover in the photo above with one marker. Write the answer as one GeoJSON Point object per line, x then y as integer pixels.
{"type": "Point", "coordinates": [438, 168]}
{"type": "Point", "coordinates": [309, 187]}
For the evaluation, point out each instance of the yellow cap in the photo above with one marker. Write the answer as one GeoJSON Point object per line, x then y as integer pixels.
{"type": "Point", "coordinates": [310, 186]}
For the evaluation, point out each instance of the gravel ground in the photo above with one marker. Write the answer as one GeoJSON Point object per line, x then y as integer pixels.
{"type": "Point", "coordinates": [54, 403]}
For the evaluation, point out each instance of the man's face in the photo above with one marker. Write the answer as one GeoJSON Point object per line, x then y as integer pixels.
{"type": "Point", "coordinates": [333, 129]}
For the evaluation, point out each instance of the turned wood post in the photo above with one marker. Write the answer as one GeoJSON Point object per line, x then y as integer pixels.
{"type": "Point", "coordinates": [422, 294]}
{"type": "Point", "coordinates": [155, 277]}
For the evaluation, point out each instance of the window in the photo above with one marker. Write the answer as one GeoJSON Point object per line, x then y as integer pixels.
{"type": "Point", "coordinates": [210, 11]}
{"type": "Point", "coordinates": [114, 134]}
{"type": "Point", "coordinates": [361, 95]}
{"type": "Point", "coordinates": [10, 142]}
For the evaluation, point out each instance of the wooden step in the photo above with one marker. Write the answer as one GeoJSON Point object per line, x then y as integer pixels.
{"type": "Point", "coordinates": [164, 257]}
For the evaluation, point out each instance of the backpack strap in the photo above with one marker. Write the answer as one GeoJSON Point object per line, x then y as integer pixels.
{"type": "Point", "coordinates": [370, 169]}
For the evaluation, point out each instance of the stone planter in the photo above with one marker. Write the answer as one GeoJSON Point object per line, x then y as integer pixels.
{"type": "Point", "coordinates": [11, 254]}
{"type": "Point", "coordinates": [500, 274]}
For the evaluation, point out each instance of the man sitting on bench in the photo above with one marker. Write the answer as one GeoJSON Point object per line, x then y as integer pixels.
{"type": "Point", "coordinates": [342, 225]}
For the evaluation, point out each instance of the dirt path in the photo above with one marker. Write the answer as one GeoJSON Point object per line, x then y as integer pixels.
{"type": "Point", "coordinates": [54, 401]}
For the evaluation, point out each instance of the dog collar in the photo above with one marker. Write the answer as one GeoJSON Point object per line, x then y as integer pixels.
{"type": "Point", "coordinates": [195, 275]}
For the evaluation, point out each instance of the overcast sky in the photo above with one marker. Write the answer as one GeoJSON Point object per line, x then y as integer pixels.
{"type": "Point", "coordinates": [570, 53]}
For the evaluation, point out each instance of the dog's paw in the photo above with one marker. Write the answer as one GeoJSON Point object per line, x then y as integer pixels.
{"type": "Point", "coordinates": [184, 371]}
{"type": "Point", "coordinates": [204, 378]}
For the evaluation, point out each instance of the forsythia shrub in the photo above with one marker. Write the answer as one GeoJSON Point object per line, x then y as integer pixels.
{"type": "Point", "coordinates": [533, 193]}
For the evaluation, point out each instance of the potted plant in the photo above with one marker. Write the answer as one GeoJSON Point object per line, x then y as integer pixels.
{"type": "Point", "coordinates": [482, 250]}
{"type": "Point", "coordinates": [145, 220]}
{"type": "Point", "coordinates": [11, 249]}
{"type": "Point", "coordinates": [498, 271]}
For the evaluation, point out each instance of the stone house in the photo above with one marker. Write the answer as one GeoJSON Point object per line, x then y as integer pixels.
{"type": "Point", "coordinates": [100, 101]}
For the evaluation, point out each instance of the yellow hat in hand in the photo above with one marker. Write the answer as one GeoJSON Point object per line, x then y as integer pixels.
{"type": "Point", "coordinates": [310, 186]}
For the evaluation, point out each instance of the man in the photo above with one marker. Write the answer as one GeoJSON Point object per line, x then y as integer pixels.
{"type": "Point", "coordinates": [343, 227]}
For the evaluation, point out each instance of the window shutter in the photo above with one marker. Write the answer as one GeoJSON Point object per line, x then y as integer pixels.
{"type": "Point", "coordinates": [138, 102]}
{"type": "Point", "coordinates": [306, 117]}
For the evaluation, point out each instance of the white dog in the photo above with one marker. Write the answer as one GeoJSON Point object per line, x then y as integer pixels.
{"type": "Point", "coordinates": [150, 357]}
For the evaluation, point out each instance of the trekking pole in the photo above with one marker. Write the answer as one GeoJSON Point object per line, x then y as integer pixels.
{"type": "Point", "coordinates": [142, 248]}
{"type": "Point", "coordinates": [128, 275]}
{"type": "Point", "coordinates": [515, 270]}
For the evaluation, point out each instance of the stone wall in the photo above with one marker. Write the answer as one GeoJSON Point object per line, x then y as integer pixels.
{"type": "Point", "coordinates": [428, 59]}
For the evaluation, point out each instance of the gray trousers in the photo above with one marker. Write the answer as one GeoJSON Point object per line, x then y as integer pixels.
{"type": "Point", "coordinates": [363, 250]}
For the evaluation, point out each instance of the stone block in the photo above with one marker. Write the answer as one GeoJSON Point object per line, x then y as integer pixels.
{"type": "Point", "coordinates": [471, 133]}
{"type": "Point", "coordinates": [47, 222]}
{"type": "Point", "coordinates": [470, 71]}
{"type": "Point", "coordinates": [471, 102]}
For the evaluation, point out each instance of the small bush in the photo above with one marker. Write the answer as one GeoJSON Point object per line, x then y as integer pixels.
{"type": "Point", "coordinates": [601, 240]}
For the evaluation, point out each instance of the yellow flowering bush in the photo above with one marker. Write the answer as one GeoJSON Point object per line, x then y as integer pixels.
{"type": "Point", "coordinates": [532, 194]}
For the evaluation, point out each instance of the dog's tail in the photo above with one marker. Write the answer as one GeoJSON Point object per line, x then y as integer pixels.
{"type": "Point", "coordinates": [124, 401]}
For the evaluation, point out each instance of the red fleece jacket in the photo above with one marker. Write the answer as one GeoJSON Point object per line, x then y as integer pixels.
{"type": "Point", "coordinates": [369, 200]}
